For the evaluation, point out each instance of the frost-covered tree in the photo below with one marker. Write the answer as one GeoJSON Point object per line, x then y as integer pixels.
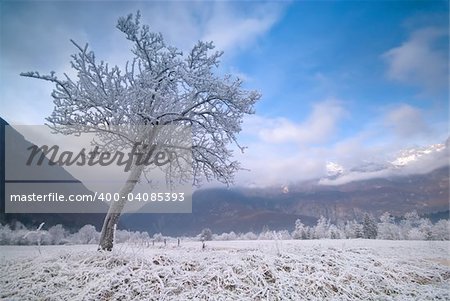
{"type": "Point", "coordinates": [322, 228]}
{"type": "Point", "coordinates": [87, 235]}
{"type": "Point", "coordinates": [266, 234]}
{"type": "Point", "coordinates": [206, 234]}
{"type": "Point", "coordinates": [335, 232]}
{"type": "Point", "coordinates": [284, 235]}
{"type": "Point", "coordinates": [352, 229]}
{"type": "Point", "coordinates": [441, 230]}
{"type": "Point", "coordinates": [57, 233]}
{"type": "Point", "coordinates": [5, 234]}
{"type": "Point", "coordinates": [410, 220]}
{"type": "Point", "coordinates": [229, 236]}
{"type": "Point", "coordinates": [387, 229]}
{"type": "Point", "coordinates": [159, 86]}
{"type": "Point", "coordinates": [425, 227]}
{"type": "Point", "coordinates": [232, 236]}
{"type": "Point", "coordinates": [122, 236]}
{"type": "Point", "coordinates": [158, 237]}
{"type": "Point", "coordinates": [19, 226]}
{"type": "Point", "coordinates": [300, 231]}
{"type": "Point", "coordinates": [416, 234]}
{"type": "Point", "coordinates": [370, 229]}
{"type": "Point", "coordinates": [248, 236]}
{"type": "Point", "coordinates": [349, 231]}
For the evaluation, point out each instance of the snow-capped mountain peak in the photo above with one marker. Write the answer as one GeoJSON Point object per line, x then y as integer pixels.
{"type": "Point", "coordinates": [412, 160]}
{"type": "Point", "coordinates": [407, 156]}
{"type": "Point", "coordinates": [334, 169]}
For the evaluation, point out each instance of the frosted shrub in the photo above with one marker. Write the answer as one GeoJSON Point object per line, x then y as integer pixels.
{"type": "Point", "coordinates": [441, 230]}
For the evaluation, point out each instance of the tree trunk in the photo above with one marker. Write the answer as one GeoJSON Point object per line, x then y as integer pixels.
{"type": "Point", "coordinates": [112, 217]}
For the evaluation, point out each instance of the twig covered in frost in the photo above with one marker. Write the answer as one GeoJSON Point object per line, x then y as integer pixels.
{"type": "Point", "coordinates": [38, 235]}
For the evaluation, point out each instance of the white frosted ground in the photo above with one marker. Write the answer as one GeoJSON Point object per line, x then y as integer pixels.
{"type": "Point", "coordinates": [230, 270]}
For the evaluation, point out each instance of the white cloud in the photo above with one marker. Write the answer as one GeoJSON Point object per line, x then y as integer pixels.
{"type": "Point", "coordinates": [318, 128]}
{"type": "Point", "coordinates": [275, 165]}
{"type": "Point", "coordinates": [420, 60]}
{"type": "Point", "coordinates": [406, 122]}
{"type": "Point", "coordinates": [229, 28]}
{"type": "Point", "coordinates": [281, 151]}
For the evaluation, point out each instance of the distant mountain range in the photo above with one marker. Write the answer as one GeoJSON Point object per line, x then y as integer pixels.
{"type": "Point", "coordinates": [250, 209]}
{"type": "Point", "coordinates": [398, 186]}
{"type": "Point", "coordinates": [417, 179]}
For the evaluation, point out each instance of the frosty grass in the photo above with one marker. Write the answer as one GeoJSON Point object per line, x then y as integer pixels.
{"type": "Point", "coordinates": [241, 270]}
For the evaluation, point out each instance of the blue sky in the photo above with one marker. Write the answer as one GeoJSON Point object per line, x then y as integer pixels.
{"type": "Point", "coordinates": [343, 81]}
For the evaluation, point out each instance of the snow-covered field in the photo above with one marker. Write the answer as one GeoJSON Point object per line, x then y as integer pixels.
{"type": "Point", "coordinates": [232, 270]}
